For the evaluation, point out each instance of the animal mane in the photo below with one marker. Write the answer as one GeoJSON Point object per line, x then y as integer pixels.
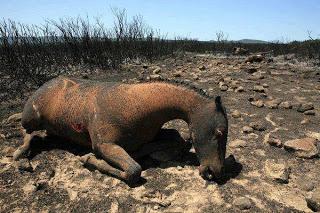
{"type": "Point", "coordinates": [177, 82]}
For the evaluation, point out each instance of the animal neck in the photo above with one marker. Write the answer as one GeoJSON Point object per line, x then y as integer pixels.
{"type": "Point", "coordinates": [174, 102]}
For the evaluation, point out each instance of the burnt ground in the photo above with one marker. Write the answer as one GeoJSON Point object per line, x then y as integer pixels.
{"type": "Point", "coordinates": [57, 181]}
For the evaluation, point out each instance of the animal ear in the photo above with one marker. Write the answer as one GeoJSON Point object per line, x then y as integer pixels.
{"type": "Point", "coordinates": [218, 102]}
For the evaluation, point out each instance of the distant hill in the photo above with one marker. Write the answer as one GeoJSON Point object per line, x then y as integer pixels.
{"type": "Point", "coordinates": [252, 41]}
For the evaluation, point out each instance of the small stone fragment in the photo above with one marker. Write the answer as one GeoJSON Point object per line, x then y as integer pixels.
{"type": "Point", "coordinates": [274, 142]}
{"type": "Point", "coordinates": [202, 68]}
{"type": "Point", "coordinates": [285, 105]}
{"type": "Point", "coordinates": [177, 74]}
{"type": "Point", "coordinates": [304, 147]}
{"type": "Point", "coordinates": [314, 201]}
{"type": "Point", "coordinates": [238, 143]}
{"type": "Point", "coordinates": [310, 112]}
{"type": "Point", "coordinates": [242, 203]}
{"type": "Point", "coordinates": [305, 184]}
{"type": "Point", "coordinates": [224, 88]}
{"type": "Point", "coordinates": [258, 103]}
{"type": "Point", "coordinates": [272, 104]}
{"type": "Point", "coordinates": [257, 126]}
{"type": "Point", "coordinates": [305, 107]}
{"type": "Point", "coordinates": [247, 129]}
{"type": "Point", "coordinates": [236, 114]}
{"type": "Point", "coordinates": [157, 70]}
{"type": "Point", "coordinates": [155, 77]}
{"type": "Point", "coordinates": [278, 171]}
{"type": "Point", "coordinates": [258, 88]}
{"type": "Point", "coordinates": [24, 165]}
{"type": "Point", "coordinates": [239, 89]}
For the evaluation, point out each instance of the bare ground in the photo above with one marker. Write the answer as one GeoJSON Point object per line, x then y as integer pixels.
{"type": "Point", "coordinates": [57, 181]}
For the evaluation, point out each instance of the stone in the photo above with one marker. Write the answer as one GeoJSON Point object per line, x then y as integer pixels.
{"type": "Point", "coordinates": [242, 203]}
{"type": "Point", "coordinates": [24, 165]}
{"type": "Point", "coordinates": [315, 135]}
{"type": "Point", "coordinates": [285, 105]}
{"type": "Point", "coordinates": [238, 143]}
{"type": "Point", "coordinates": [247, 129]}
{"type": "Point", "coordinates": [278, 171]}
{"type": "Point", "coordinates": [305, 184]}
{"type": "Point", "coordinates": [257, 126]}
{"type": "Point", "coordinates": [310, 112]}
{"type": "Point", "coordinates": [272, 104]}
{"type": "Point", "coordinates": [14, 118]}
{"type": "Point", "coordinates": [258, 88]}
{"type": "Point", "coordinates": [2, 136]}
{"type": "Point", "coordinates": [305, 121]}
{"type": "Point", "coordinates": [251, 70]}
{"type": "Point", "coordinates": [177, 74]}
{"type": "Point", "coordinates": [305, 107]}
{"type": "Point", "coordinates": [202, 68]}
{"type": "Point", "coordinates": [224, 88]}
{"type": "Point", "coordinates": [30, 187]}
{"type": "Point", "coordinates": [236, 114]}
{"type": "Point", "coordinates": [265, 85]}
{"type": "Point", "coordinates": [304, 147]}
{"type": "Point", "coordinates": [256, 76]}
{"type": "Point", "coordinates": [258, 103]}
{"type": "Point", "coordinates": [155, 77]}
{"type": "Point", "coordinates": [157, 70]}
{"type": "Point", "coordinates": [274, 142]}
{"type": "Point", "coordinates": [313, 202]}
{"type": "Point", "coordinates": [239, 89]}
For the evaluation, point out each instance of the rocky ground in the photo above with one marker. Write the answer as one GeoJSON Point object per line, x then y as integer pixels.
{"type": "Point", "coordinates": [273, 148]}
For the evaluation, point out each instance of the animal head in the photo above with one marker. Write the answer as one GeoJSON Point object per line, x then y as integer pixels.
{"type": "Point", "coordinates": [209, 127]}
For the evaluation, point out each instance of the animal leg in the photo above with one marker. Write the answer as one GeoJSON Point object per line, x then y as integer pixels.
{"type": "Point", "coordinates": [25, 147]}
{"type": "Point", "coordinates": [117, 156]}
{"type": "Point", "coordinates": [101, 165]}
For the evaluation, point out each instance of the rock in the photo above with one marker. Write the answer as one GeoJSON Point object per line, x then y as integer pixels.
{"type": "Point", "coordinates": [30, 187]}
{"type": "Point", "coordinates": [236, 114]}
{"type": "Point", "coordinates": [238, 143]}
{"type": "Point", "coordinates": [257, 126]}
{"type": "Point", "coordinates": [239, 89]}
{"type": "Point", "coordinates": [304, 147]}
{"type": "Point", "coordinates": [14, 118]}
{"type": "Point", "coordinates": [285, 105]}
{"type": "Point", "coordinates": [265, 85]}
{"type": "Point", "coordinates": [251, 70]}
{"type": "Point", "coordinates": [247, 129]}
{"type": "Point", "coordinates": [277, 171]}
{"type": "Point", "coordinates": [242, 203]}
{"type": "Point", "coordinates": [227, 79]}
{"type": "Point", "coordinates": [305, 121]}
{"type": "Point", "coordinates": [305, 107]}
{"type": "Point", "coordinates": [272, 104]}
{"type": "Point", "coordinates": [258, 88]}
{"type": "Point", "coordinates": [224, 88]}
{"type": "Point", "coordinates": [275, 142]}
{"type": "Point", "coordinates": [155, 77]}
{"type": "Point", "coordinates": [256, 76]}
{"type": "Point", "coordinates": [177, 74]}
{"type": "Point", "coordinates": [258, 103]}
{"type": "Point", "coordinates": [157, 70]}
{"type": "Point", "coordinates": [202, 68]}
{"type": "Point", "coordinates": [305, 184]}
{"type": "Point", "coordinates": [315, 135]}
{"type": "Point", "coordinates": [310, 112]}
{"type": "Point", "coordinates": [314, 201]}
{"type": "Point", "coordinates": [2, 136]}
{"type": "Point", "coordinates": [24, 165]}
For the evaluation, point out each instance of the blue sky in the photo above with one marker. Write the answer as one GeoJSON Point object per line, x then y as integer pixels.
{"type": "Point", "coordinates": [255, 19]}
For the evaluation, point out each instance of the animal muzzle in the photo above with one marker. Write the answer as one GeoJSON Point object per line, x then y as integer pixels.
{"type": "Point", "coordinates": [211, 172]}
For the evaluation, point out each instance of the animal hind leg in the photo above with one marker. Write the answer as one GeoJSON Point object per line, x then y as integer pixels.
{"type": "Point", "coordinates": [25, 147]}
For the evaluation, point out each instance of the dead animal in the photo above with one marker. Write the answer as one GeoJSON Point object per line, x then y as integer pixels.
{"type": "Point", "coordinates": [254, 58]}
{"type": "Point", "coordinates": [116, 119]}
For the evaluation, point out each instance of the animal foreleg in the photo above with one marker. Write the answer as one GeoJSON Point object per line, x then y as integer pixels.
{"type": "Point", "coordinates": [25, 147]}
{"type": "Point", "coordinates": [91, 160]}
{"type": "Point", "coordinates": [117, 156]}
